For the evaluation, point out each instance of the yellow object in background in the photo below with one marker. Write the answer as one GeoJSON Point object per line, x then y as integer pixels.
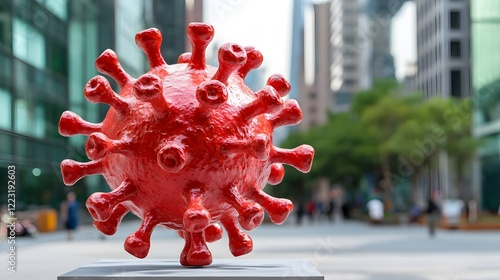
{"type": "Point", "coordinates": [47, 220]}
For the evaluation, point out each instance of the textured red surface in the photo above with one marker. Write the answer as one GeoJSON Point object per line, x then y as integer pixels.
{"type": "Point", "coordinates": [186, 146]}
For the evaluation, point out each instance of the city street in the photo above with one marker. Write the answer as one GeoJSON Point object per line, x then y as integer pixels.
{"type": "Point", "coordinates": [348, 250]}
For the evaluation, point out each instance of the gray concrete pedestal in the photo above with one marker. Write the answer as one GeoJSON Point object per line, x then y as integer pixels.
{"type": "Point", "coordinates": [224, 269]}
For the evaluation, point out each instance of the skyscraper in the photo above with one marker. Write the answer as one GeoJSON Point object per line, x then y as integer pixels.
{"type": "Point", "coordinates": [315, 95]}
{"type": "Point", "coordinates": [485, 46]}
{"type": "Point", "coordinates": [360, 37]}
{"type": "Point", "coordinates": [443, 64]}
{"type": "Point", "coordinates": [349, 60]}
{"type": "Point", "coordinates": [443, 48]}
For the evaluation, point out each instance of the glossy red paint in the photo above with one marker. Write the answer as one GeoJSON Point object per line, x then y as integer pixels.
{"type": "Point", "coordinates": [186, 146]}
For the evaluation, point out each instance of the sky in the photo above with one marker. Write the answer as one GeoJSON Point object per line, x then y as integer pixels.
{"type": "Point", "coordinates": [263, 24]}
{"type": "Point", "coordinates": [266, 25]}
{"type": "Point", "coordinates": [404, 38]}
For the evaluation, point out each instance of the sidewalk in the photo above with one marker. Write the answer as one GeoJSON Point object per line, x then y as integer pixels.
{"type": "Point", "coordinates": [347, 251]}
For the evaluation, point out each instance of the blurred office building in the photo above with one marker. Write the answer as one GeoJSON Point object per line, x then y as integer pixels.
{"type": "Point", "coordinates": [339, 47]}
{"type": "Point", "coordinates": [443, 56]}
{"type": "Point", "coordinates": [314, 94]}
{"type": "Point", "coordinates": [485, 57]}
{"type": "Point", "coordinates": [443, 69]}
{"type": "Point", "coordinates": [350, 49]}
{"type": "Point", "coordinates": [47, 53]}
{"type": "Point", "coordinates": [360, 38]}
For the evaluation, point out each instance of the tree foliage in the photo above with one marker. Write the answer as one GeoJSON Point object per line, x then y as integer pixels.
{"type": "Point", "coordinates": [385, 133]}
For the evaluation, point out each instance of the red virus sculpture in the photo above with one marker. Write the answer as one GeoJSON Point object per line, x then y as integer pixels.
{"type": "Point", "coordinates": [186, 146]}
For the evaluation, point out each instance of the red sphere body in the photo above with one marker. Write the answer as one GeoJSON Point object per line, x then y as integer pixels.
{"type": "Point", "coordinates": [186, 146]}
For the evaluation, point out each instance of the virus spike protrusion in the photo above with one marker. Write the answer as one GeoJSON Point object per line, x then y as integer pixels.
{"type": "Point", "coordinates": [98, 90]}
{"type": "Point", "coordinates": [259, 146]}
{"type": "Point", "coordinates": [99, 145]}
{"type": "Point", "coordinates": [280, 84]}
{"type": "Point", "coordinates": [72, 171]}
{"type": "Point", "coordinates": [300, 157]}
{"type": "Point", "coordinates": [251, 214]}
{"type": "Point", "coordinates": [289, 114]}
{"type": "Point", "coordinates": [267, 101]}
{"type": "Point", "coordinates": [138, 243]}
{"type": "Point", "coordinates": [231, 57]}
{"type": "Point", "coordinates": [110, 225]}
{"type": "Point", "coordinates": [196, 218]}
{"type": "Point", "coordinates": [277, 208]}
{"type": "Point", "coordinates": [198, 254]}
{"type": "Point", "coordinates": [171, 157]}
{"type": "Point", "coordinates": [240, 243]}
{"type": "Point", "coordinates": [200, 35]}
{"type": "Point", "coordinates": [184, 58]}
{"type": "Point", "coordinates": [277, 174]}
{"type": "Point", "coordinates": [187, 245]}
{"type": "Point", "coordinates": [71, 124]}
{"type": "Point", "coordinates": [254, 60]}
{"type": "Point", "coordinates": [149, 88]}
{"type": "Point", "coordinates": [101, 205]}
{"type": "Point", "coordinates": [211, 94]}
{"type": "Point", "coordinates": [107, 63]}
{"type": "Point", "coordinates": [213, 233]}
{"type": "Point", "coordinates": [149, 41]}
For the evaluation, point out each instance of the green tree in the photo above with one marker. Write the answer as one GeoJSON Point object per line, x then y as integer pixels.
{"type": "Point", "coordinates": [383, 119]}
{"type": "Point", "coordinates": [418, 141]}
{"type": "Point", "coordinates": [461, 144]}
{"type": "Point", "coordinates": [436, 125]}
{"type": "Point", "coordinates": [385, 133]}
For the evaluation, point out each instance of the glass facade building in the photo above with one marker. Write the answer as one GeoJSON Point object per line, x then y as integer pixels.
{"type": "Point", "coordinates": [47, 54]}
{"type": "Point", "coordinates": [485, 46]}
{"type": "Point", "coordinates": [33, 94]}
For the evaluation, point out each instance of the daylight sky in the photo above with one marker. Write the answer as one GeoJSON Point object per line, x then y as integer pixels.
{"type": "Point", "coordinates": [266, 25]}
{"type": "Point", "coordinates": [404, 38]}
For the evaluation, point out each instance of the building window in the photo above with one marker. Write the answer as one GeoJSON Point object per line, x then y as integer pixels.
{"type": "Point", "coordinates": [456, 83]}
{"type": "Point", "coordinates": [349, 82]}
{"type": "Point", "coordinates": [343, 98]}
{"type": "Point", "coordinates": [454, 20]}
{"type": "Point", "coordinates": [5, 108]}
{"type": "Point", "coordinates": [22, 119]}
{"type": "Point", "coordinates": [56, 7]}
{"type": "Point", "coordinates": [455, 49]}
{"type": "Point", "coordinates": [350, 68]}
{"type": "Point", "coordinates": [29, 44]}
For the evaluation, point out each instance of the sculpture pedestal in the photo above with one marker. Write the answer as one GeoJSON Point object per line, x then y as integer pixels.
{"type": "Point", "coordinates": [225, 269]}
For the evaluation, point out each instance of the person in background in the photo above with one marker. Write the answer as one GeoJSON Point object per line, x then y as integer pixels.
{"type": "Point", "coordinates": [300, 212]}
{"type": "Point", "coordinates": [433, 213]}
{"type": "Point", "coordinates": [375, 211]}
{"type": "Point", "coordinates": [311, 210]}
{"type": "Point", "coordinates": [414, 214]}
{"type": "Point", "coordinates": [330, 213]}
{"type": "Point", "coordinates": [69, 214]}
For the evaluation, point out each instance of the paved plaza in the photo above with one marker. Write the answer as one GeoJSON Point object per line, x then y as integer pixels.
{"type": "Point", "coordinates": [342, 250]}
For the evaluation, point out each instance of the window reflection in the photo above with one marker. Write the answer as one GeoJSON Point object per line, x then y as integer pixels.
{"type": "Point", "coordinates": [57, 7]}
{"type": "Point", "coordinates": [5, 109]}
{"type": "Point", "coordinates": [22, 123]}
{"type": "Point", "coordinates": [29, 44]}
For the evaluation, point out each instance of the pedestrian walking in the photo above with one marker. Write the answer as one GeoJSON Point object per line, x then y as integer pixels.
{"type": "Point", "coordinates": [432, 216]}
{"type": "Point", "coordinates": [69, 214]}
{"type": "Point", "coordinates": [375, 211]}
